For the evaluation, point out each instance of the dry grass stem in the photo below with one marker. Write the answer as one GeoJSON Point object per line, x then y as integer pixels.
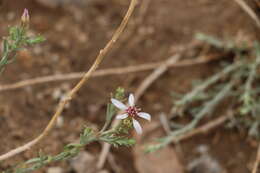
{"type": "Point", "coordinates": [155, 75]}
{"type": "Point", "coordinates": [205, 128]}
{"type": "Point", "coordinates": [165, 123]}
{"type": "Point", "coordinates": [105, 72]}
{"type": "Point", "coordinates": [249, 11]}
{"type": "Point", "coordinates": [257, 161]}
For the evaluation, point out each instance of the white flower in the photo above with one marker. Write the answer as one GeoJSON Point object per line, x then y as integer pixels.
{"type": "Point", "coordinates": [131, 111]}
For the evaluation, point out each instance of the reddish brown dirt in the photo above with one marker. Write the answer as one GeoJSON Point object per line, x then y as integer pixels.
{"type": "Point", "coordinates": [75, 35]}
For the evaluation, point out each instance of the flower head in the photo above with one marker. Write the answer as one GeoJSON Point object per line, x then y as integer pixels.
{"type": "Point", "coordinates": [131, 111]}
{"type": "Point", "coordinates": [25, 17]}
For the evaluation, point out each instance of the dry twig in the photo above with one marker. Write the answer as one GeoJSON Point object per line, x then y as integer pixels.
{"type": "Point", "coordinates": [205, 128]}
{"type": "Point", "coordinates": [155, 75]}
{"type": "Point", "coordinates": [165, 123]}
{"type": "Point", "coordinates": [131, 36]}
{"type": "Point", "coordinates": [113, 163]}
{"type": "Point", "coordinates": [105, 72]}
{"type": "Point", "coordinates": [256, 164]}
{"type": "Point", "coordinates": [74, 90]}
{"type": "Point", "coordinates": [249, 11]}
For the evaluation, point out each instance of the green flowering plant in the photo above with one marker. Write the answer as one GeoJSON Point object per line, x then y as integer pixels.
{"type": "Point", "coordinates": [117, 136]}
{"type": "Point", "coordinates": [17, 40]}
{"type": "Point", "coordinates": [236, 81]}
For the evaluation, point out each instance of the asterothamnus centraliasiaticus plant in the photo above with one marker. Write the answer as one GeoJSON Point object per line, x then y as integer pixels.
{"type": "Point", "coordinates": [131, 111]}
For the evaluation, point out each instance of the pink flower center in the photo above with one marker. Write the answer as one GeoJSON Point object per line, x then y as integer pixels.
{"type": "Point", "coordinates": [132, 111]}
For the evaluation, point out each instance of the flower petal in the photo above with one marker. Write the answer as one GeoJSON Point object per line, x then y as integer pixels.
{"type": "Point", "coordinates": [137, 127]}
{"type": "Point", "coordinates": [144, 115]}
{"type": "Point", "coordinates": [121, 116]}
{"type": "Point", "coordinates": [118, 104]}
{"type": "Point", "coordinates": [131, 100]}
